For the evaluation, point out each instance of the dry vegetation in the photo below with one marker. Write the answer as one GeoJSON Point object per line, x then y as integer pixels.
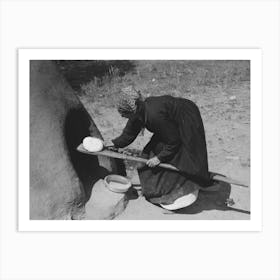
{"type": "Point", "coordinates": [221, 89]}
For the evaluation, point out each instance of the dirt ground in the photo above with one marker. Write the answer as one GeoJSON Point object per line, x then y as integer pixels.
{"type": "Point", "coordinates": [221, 89]}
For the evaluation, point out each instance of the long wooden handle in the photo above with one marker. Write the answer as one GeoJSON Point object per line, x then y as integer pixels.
{"type": "Point", "coordinates": [214, 176]}
{"type": "Point", "coordinates": [107, 153]}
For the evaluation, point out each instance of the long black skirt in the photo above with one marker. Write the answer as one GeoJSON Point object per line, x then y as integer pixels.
{"type": "Point", "coordinates": [164, 186]}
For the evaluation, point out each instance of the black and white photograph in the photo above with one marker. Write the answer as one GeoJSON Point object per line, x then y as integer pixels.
{"type": "Point", "coordinates": [140, 139]}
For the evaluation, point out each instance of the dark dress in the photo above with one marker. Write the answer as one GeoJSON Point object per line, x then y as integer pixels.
{"type": "Point", "coordinates": [178, 139]}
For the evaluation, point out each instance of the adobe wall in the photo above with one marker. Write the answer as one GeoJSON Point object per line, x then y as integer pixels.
{"type": "Point", "coordinates": [60, 178]}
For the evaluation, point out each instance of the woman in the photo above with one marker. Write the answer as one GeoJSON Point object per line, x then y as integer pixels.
{"type": "Point", "coordinates": [178, 139]}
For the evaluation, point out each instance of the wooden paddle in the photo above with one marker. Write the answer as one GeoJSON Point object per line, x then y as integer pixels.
{"type": "Point", "coordinates": [108, 153]}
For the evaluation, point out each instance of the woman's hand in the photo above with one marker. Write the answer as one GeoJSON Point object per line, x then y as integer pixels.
{"type": "Point", "coordinates": [152, 162]}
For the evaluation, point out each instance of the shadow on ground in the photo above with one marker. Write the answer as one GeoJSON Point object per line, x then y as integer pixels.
{"type": "Point", "coordinates": [132, 194]}
{"type": "Point", "coordinates": [212, 201]}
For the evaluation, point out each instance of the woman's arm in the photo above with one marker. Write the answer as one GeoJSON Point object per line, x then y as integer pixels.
{"type": "Point", "coordinates": [130, 132]}
{"type": "Point", "coordinates": [169, 135]}
{"type": "Point", "coordinates": [150, 145]}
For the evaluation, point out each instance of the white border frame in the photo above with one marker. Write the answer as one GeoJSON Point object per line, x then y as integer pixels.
{"type": "Point", "coordinates": [255, 222]}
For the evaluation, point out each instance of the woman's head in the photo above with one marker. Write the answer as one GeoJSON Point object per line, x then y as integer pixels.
{"type": "Point", "coordinates": [128, 100]}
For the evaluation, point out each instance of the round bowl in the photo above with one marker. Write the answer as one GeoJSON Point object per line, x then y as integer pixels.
{"type": "Point", "coordinates": [117, 183]}
{"type": "Point", "coordinates": [93, 144]}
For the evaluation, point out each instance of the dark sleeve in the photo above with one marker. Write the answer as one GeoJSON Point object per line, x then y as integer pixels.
{"type": "Point", "coordinates": [130, 132]}
{"type": "Point", "coordinates": [169, 135]}
{"type": "Point", "coordinates": [150, 145]}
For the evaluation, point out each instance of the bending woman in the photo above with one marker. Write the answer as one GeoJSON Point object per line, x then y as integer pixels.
{"type": "Point", "coordinates": [178, 139]}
